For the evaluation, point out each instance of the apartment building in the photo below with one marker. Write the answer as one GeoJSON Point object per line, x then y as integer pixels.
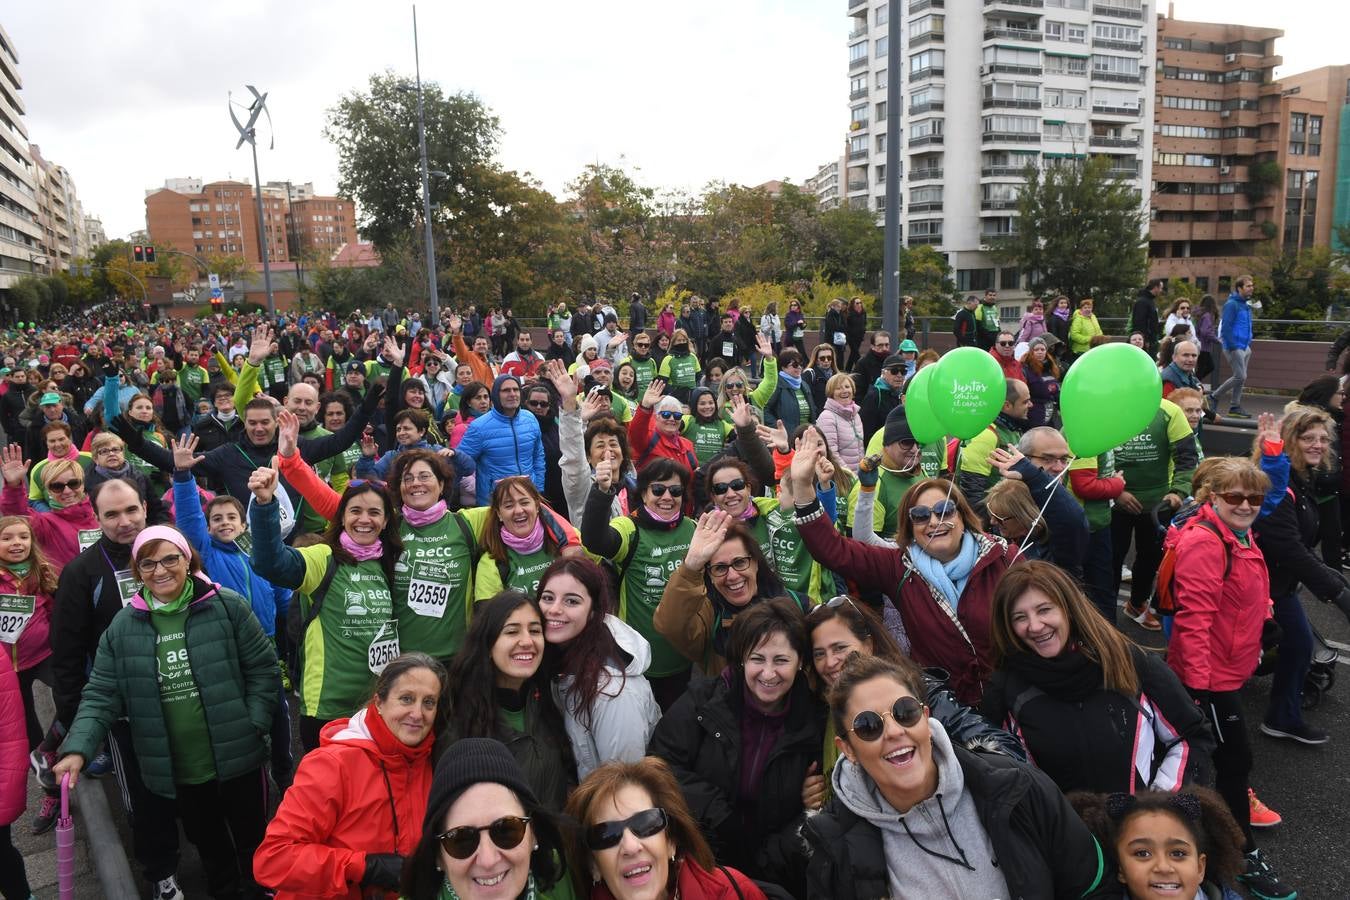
{"type": "Point", "coordinates": [321, 225]}
{"type": "Point", "coordinates": [60, 214]}
{"type": "Point", "coordinates": [1040, 82]}
{"type": "Point", "coordinates": [825, 185]}
{"type": "Point", "coordinates": [21, 234]}
{"type": "Point", "coordinates": [1219, 118]}
{"type": "Point", "coordinates": [1314, 156]}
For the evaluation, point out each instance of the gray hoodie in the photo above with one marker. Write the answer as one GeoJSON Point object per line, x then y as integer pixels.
{"type": "Point", "coordinates": [925, 846]}
{"type": "Point", "coordinates": [624, 713]}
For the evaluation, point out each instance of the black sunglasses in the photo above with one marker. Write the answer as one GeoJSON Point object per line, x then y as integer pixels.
{"type": "Point", "coordinates": [942, 509]}
{"type": "Point", "coordinates": [868, 725]}
{"type": "Point", "coordinates": [659, 490]}
{"type": "Point", "coordinates": [833, 603]}
{"type": "Point", "coordinates": [462, 842]}
{"type": "Point", "coordinates": [56, 487]}
{"type": "Point", "coordinates": [1005, 343]}
{"type": "Point", "coordinates": [603, 835]}
{"type": "Point", "coordinates": [896, 370]}
{"type": "Point", "coordinates": [723, 487]}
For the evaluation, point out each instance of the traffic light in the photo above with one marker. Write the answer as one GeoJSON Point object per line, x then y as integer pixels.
{"type": "Point", "coordinates": [138, 253]}
{"type": "Point", "coordinates": [217, 304]}
{"type": "Point", "coordinates": [149, 253]}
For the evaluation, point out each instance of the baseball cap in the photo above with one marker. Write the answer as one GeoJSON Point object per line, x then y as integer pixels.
{"type": "Point", "coordinates": [51, 398]}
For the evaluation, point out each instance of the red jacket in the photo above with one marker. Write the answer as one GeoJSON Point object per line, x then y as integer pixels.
{"type": "Point", "coordinates": [641, 432]}
{"type": "Point", "coordinates": [935, 638]}
{"type": "Point", "coordinates": [1216, 634]}
{"type": "Point", "coordinates": [339, 809]}
{"type": "Point", "coordinates": [57, 532]}
{"type": "Point", "coordinates": [696, 883]}
{"type": "Point", "coordinates": [13, 746]}
{"type": "Point", "coordinates": [1009, 364]}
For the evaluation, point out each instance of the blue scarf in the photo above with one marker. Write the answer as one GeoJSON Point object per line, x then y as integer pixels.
{"type": "Point", "coordinates": [949, 578]}
{"type": "Point", "coordinates": [792, 381]}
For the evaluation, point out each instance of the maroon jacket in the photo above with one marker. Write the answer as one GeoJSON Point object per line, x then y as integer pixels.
{"type": "Point", "coordinates": [957, 642]}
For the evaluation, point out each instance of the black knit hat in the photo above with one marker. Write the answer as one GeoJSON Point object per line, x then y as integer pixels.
{"type": "Point", "coordinates": [471, 761]}
{"type": "Point", "coordinates": [897, 427]}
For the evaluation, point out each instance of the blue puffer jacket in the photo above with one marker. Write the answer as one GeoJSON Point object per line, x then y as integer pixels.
{"type": "Point", "coordinates": [502, 445]}
{"type": "Point", "coordinates": [227, 564]}
{"type": "Point", "coordinates": [1235, 323]}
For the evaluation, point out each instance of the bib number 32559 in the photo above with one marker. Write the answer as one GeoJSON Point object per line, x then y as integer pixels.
{"type": "Point", "coordinates": [384, 648]}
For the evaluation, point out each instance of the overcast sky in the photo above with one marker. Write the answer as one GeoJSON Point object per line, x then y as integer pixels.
{"type": "Point", "coordinates": [127, 94]}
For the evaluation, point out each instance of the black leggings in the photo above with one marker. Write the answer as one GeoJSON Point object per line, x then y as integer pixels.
{"type": "Point", "coordinates": [13, 875]}
{"type": "Point", "coordinates": [40, 672]}
{"type": "Point", "coordinates": [1232, 758]}
{"type": "Point", "coordinates": [1142, 530]}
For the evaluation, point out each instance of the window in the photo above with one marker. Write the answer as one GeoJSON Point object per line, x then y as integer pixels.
{"type": "Point", "coordinates": [973, 279]}
{"type": "Point", "coordinates": [881, 173]}
{"type": "Point", "coordinates": [881, 111]}
{"type": "Point", "coordinates": [1065, 131]}
{"type": "Point", "coordinates": [1059, 97]}
{"type": "Point", "coordinates": [857, 52]}
{"type": "Point", "coordinates": [1297, 148]}
{"type": "Point", "coordinates": [1198, 132]}
{"type": "Point", "coordinates": [1103, 31]}
{"type": "Point", "coordinates": [1115, 65]}
{"type": "Point", "coordinates": [1013, 57]}
{"type": "Point", "coordinates": [881, 143]}
{"type": "Point", "coordinates": [925, 128]}
{"type": "Point", "coordinates": [881, 79]}
{"type": "Point", "coordinates": [1000, 193]}
{"type": "Point", "coordinates": [1189, 74]}
{"type": "Point", "coordinates": [925, 195]}
{"type": "Point", "coordinates": [1054, 31]}
{"type": "Point", "coordinates": [1198, 104]}
{"type": "Point", "coordinates": [1314, 135]}
{"type": "Point", "coordinates": [1012, 124]}
{"type": "Point", "coordinates": [1007, 90]}
{"type": "Point", "coordinates": [858, 114]}
{"type": "Point", "coordinates": [926, 228]}
{"type": "Point", "coordinates": [1009, 280]}
{"type": "Point", "coordinates": [1184, 159]}
{"type": "Point", "coordinates": [883, 46]}
{"type": "Point", "coordinates": [857, 85]}
{"type": "Point", "coordinates": [926, 96]}
{"type": "Point", "coordinates": [928, 59]}
{"type": "Point", "coordinates": [1253, 75]}
{"type": "Point", "coordinates": [997, 227]}
{"type": "Point", "coordinates": [1065, 65]}
{"type": "Point", "coordinates": [1076, 34]}
{"type": "Point", "coordinates": [1067, 4]}
{"type": "Point", "coordinates": [858, 145]}
{"type": "Point", "coordinates": [883, 14]}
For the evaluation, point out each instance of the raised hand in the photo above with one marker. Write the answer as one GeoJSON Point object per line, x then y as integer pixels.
{"type": "Point", "coordinates": [12, 465]}
{"type": "Point", "coordinates": [368, 448]}
{"type": "Point", "coordinates": [1004, 458]}
{"type": "Point", "coordinates": [802, 470]}
{"type": "Point", "coordinates": [454, 323]}
{"type": "Point", "coordinates": [591, 406]}
{"type": "Point", "coordinates": [393, 352]}
{"type": "Point", "coordinates": [605, 472]}
{"type": "Point", "coordinates": [709, 534]}
{"type": "Point", "coordinates": [655, 391]}
{"type": "Point", "coordinates": [556, 373]}
{"type": "Point", "coordinates": [775, 437]}
{"type": "Point", "coordinates": [742, 413]}
{"type": "Point", "coordinates": [824, 470]}
{"type": "Point", "coordinates": [288, 432]}
{"type": "Point", "coordinates": [185, 453]}
{"type": "Point", "coordinates": [1267, 429]}
{"type": "Point", "coordinates": [869, 470]}
{"type": "Point", "coordinates": [261, 346]}
{"type": "Point", "coordinates": [763, 345]}
{"type": "Point", "coordinates": [263, 484]}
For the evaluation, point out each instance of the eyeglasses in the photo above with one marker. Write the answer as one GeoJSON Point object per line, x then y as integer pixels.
{"type": "Point", "coordinates": [1235, 498]}
{"type": "Point", "coordinates": [869, 725]}
{"type": "Point", "coordinates": [1005, 343]}
{"type": "Point", "coordinates": [603, 835]}
{"type": "Point", "coordinates": [669, 414]}
{"type": "Point", "coordinates": [148, 566]}
{"type": "Point", "coordinates": [1048, 458]}
{"type": "Point", "coordinates": [660, 490]}
{"type": "Point", "coordinates": [720, 570]}
{"type": "Point", "coordinates": [833, 603]}
{"type": "Point", "coordinates": [825, 358]}
{"type": "Point", "coordinates": [942, 509]}
{"type": "Point", "coordinates": [107, 451]}
{"type": "Point", "coordinates": [56, 487]}
{"type": "Point", "coordinates": [722, 487]}
{"type": "Point", "coordinates": [419, 478]}
{"type": "Point", "coordinates": [641, 346]}
{"type": "Point", "coordinates": [462, 842]}
{"type": "Point", "coordinates": [734, 387]}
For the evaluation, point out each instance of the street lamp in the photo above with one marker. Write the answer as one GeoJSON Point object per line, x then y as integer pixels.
{"type": "Point", "coordinates": [249, 132]}
{"type": "Point", "coordinates": [426, 181]}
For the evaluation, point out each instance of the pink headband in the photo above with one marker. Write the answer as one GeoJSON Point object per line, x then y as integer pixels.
{"type": "Point", "coordinates": [161, 533]}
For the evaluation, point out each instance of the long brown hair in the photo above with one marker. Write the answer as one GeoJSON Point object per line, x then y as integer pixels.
{"type": "Point", "coordinates": [42, 575]}
{"type": "Point", "coordinates": [861, 622]}
{"type": "Point", "coordinates": [1097, 639]}
{"type": "Point", "coordinates": [493, 545]}
{"type": "Point", "coordinates": [904, 534]}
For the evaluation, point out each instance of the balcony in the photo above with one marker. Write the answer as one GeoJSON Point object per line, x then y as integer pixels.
{"type": "Point", "coordinates": [918, 240]}
{"type": "Point", "coordinates": [1029, 4]}
{"type": "Point", "coordinates": [1010, 103]}
{"type": "Point", "coordinates": [928, 37]}
{"type": "Point", "coordinates": [930, 106]}
{"type": "Point", "coordinates": [1133, 112]}
{"type": "Point", "coordinates": [1009, 69]}
{"type": "Point", "coordinates": [857, 154]}
{"type": "Point", "coordinates": [1001, 171]}
{"type": "Point", "coordinates": [856, 186]}
{"type": "Point", "coordinates": [930, 72]}
{"type": "Point", "coordinates": [855, 5]}
{"type": "Point", "coordinates": [857, 33]}
{"type": "Point", "coordinates": [857, 125]}
{"type": "Point", "coordinates": [1103, 140]}
{"type": "Point", "coordinates": [921, 5]}
{"type": "Point", "coordinates": [858, 63]}
{"type": "Point", "coordinates": [930, 206]}
{"type": "Point", "coordinates": [1119, 12]}
{"type": "Point", "coordinates": [1119, 77]}
{"type": "Point", "coordinates": [925, 175]}
{"type": "Point", "coordinates": [926, 140]}
{"type": "Point", "coordinates": [1010, 137]}
{"type": "Point", "coordinates": [858, 95]}
{"type": "Point", "coordinates": [988, 237]}
{"type": "Point", "coordinates": [987, 205]}
{"type": "Point", "coordinates": [1123, 172]}
{"type": "Point", "coordinates": [1106, 44]}
{"type": "Point", "coordinates": [1016, 34]}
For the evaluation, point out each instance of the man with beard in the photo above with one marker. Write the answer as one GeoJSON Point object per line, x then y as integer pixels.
{"type": "Point", "coordinates": [976, 475]}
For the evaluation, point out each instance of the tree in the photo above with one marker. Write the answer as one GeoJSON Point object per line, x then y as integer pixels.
{"type": "Point", "coordinates": [1080, 232]}
{"type": "Point", "coordinates": [375, 133]}
{"type": "Point", "coordinates": [926, 276]}
{"type": "Point", "coordinates": [850, 245]}
{"type": "Point", "coordinates": [618, 231]}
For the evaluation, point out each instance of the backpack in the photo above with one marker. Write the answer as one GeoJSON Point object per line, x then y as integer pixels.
{"type": "Point", "coordinates": [1165, 600]}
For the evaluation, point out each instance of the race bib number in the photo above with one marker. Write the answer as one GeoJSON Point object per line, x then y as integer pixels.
{"type": "Point", "coordinates": [384, 648]}
{"type": "Point", "coordinates": [16, 611]}
{"type": "Point", "coordinates": [88, 537]}
{"type": "Point", "coordinates": [429, 589]}
{"type": "Point", "coordinates": [127, 585]}
{"type": "Point", "coordinates": [728, 350]}
{"type": "Point", "coordinates": [798, 333]}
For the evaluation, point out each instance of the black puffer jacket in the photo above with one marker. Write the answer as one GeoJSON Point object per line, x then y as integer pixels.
{"type": "Point", "coordinates": [1286, 537]}
{"type": "Point", "coordinates": [86, 599]}
{"type": "Point", "coordinates": [700, 737]}
{"type": "Point", "coordinates": [1043, 849]}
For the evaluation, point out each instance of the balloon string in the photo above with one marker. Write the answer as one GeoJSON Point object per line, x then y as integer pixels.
{"type": "Point", "coordinates": [1054, 486]}
{"type": "Point", "coordinates": [956, 467]}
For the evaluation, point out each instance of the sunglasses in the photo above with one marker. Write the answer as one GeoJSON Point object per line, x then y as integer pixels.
{"type": "Point", "coordinates": [604, 835]}
{"type": "Point", "coordinates": [1235, 498]}
{"type": "Point", "coordinates": [537, 404]}
{"type": "Point", "coordinates": [462, 842]}
{"type": "Point", "coordinates": [720, 570]}
{"type": "Point", "coordinates": [1005, 343]}
{"type": "Point", "coordinates": [722, 487]}
{"type": "Point", "coordinates": [660, 490]}
{"type": "Point", "coordinates": [895, 370]}
{"type": "Point", "coordinates": [669, 414]}
{"type": "Point", "coordinates": [942, 509]}
{"type": "Point", "coordinates": [869, 725]}
{"type": "Point", "coordinates": [57, 487]}
{"type": "Point", "coordinates": [833, 603]}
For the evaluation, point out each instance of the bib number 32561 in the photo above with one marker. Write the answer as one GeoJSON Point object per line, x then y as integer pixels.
{"type": "Point", "coordinates": [384, 648]}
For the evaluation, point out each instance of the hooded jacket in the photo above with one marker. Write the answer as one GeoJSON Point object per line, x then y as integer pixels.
{"type": "Point", "coordinates": [1011, 823]}
{"type": "Point", "coordinates": [13, 746]}
{"type": "Point", "coordinates": [362, 791]}
{"type": "Point", "coordinates": [57, 531]}
{"type": "Point", "coordinates": [623, 714]}
{"type": "Point", "coordinates": [233, 664]}
{"type": "Point", "coordinates": [502, 445]}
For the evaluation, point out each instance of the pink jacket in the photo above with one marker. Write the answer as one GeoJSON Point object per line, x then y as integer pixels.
{"type": "Point", "coordinates": [843, 431]}
{"type": "Point", "coordinates": [13, 746]}
{"type": "Point", "coordinates": [666, 323]}
{"type": "Point", "coordinates": [58, 531]}
{"type": "Point", "coordinates": [34, 643]}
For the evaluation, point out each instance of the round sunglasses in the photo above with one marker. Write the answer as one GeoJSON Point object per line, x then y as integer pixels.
{"type": "Point", "coordinates": [463, 841]}
{"type": "Point", "coordinates": [942, 509]}
{"type": "Point", "coordinates": [868, 725]}
{"type": "Point", "coordinates": [604, 835]}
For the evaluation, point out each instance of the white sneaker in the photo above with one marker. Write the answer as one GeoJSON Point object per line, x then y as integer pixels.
{"type": "Point", "coordinates": [168, 889]}
{"type": "Point", "coordinates": [1125, 574]}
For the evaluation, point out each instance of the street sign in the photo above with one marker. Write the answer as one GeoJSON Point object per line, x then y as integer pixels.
{"type": "Point", "coordinates": [214, 280]}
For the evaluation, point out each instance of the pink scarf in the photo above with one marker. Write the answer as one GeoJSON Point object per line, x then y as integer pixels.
{"type": "Point", "coordinates": [530, 543]}
{"type": "Point", "coordinates": [72, 453]}
{"type": "Point", "coordinates": [674, 514]}
{"type": "Point", "coordinates": [417, 518]}
{"type": "Point", "coordinates": [362, 552]}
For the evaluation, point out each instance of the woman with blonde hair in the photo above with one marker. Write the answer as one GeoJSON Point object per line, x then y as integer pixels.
{"type": "Point", "coordinates": [70, 525]}
{"type": "Point", "coordinates": [1095, 711]}
{"type": "Point", "coordinates": [841, 423]}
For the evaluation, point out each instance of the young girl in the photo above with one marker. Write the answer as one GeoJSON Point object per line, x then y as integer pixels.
{"type": "Point", "coordinates": [1184, 843]}
{"type": "Point", "coordinates": [705, 429]}
{"type": "Point", "coordinates": [25, 572]}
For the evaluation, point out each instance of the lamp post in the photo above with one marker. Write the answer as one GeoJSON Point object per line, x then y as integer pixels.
{"type": "Point", "coordinates": [249, 132]}
{"type": "Point", "coordinates": [890, 273]}
{"type": "Point", "coordinates": [432, 293]}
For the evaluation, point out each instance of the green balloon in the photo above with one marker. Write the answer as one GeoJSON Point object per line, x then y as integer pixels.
{"type": "Point", "coordinates": [967, 391]}
{"type": "Point", "coordinates": [1110, 394]}
{"type": "Point", "coordinates": [923, 422]}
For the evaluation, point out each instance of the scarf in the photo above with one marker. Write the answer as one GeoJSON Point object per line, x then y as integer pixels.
{"type": "Point", "coordinates": [417, 518]}
{"type": "Point", "coordinates": [650, 519]}
{"type": "Point", "coordinates": [750, 511]}
{"type": "Point", "coordinates": [225, 418]}
{"type": "Point", "coordinates": [948, 578]}
{"type": "Point", "coordinates": [362, 553]}
{"type": "Point", "coordinates": [792, 381]}
{"type": "Point", "coordinates": [1071, 676]}
{"type": "Point", "coordinates": [124, 472]}
{"type": "Point", "coordinates": [1062, 314]}
{"type": "Point", "coordinates": [19, 569]}
{"type": "Point", "coordinates": [530, 892]}
{"type": "Point", "coordinates": [72, 453]}
{"type": "Point", "coordinates": [530, 543]}
{"type": "Point", "coordinates": [847, 410]}
{"type": "Point", "coordinates": [177, 605]}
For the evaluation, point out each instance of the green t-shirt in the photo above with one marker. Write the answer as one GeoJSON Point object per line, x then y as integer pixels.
{"type": "Point", "coordinates": [681, 370]}
{"type": "Point", "coordinates": [932, 457]}
{"type": "Point", "coordinates": [708, 438]}
{"type": "Point", "coordinates": [644, 371]}
{"type": "Point", "coordinates": [791, 560]}
{"type": "Point", "coordinates": [184, 715]}
{"type": "Point", "coordinates": [650, 565]}
{"type": "Point", "coordinates": [432, 585]}
{"type": "Point", "coordinates": [274, 371]}
{"type": "Point", "coordinates": [1146, 459]}
{"type": "Point", "coordinates": [190, 382]}
{"type": "Point", "coordinates": [1098, 511]}
{"type": "Point", "coordinates": [523, 573]}
{"type": "Point", "coordinates": [891, 490]}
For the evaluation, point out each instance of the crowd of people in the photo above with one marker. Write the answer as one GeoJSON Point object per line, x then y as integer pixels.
{"type": "Point", "coordinates": [674, 606]}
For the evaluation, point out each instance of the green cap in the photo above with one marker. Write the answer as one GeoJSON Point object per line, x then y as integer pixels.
{"type": "Point", "coordinates": [51, 398]}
